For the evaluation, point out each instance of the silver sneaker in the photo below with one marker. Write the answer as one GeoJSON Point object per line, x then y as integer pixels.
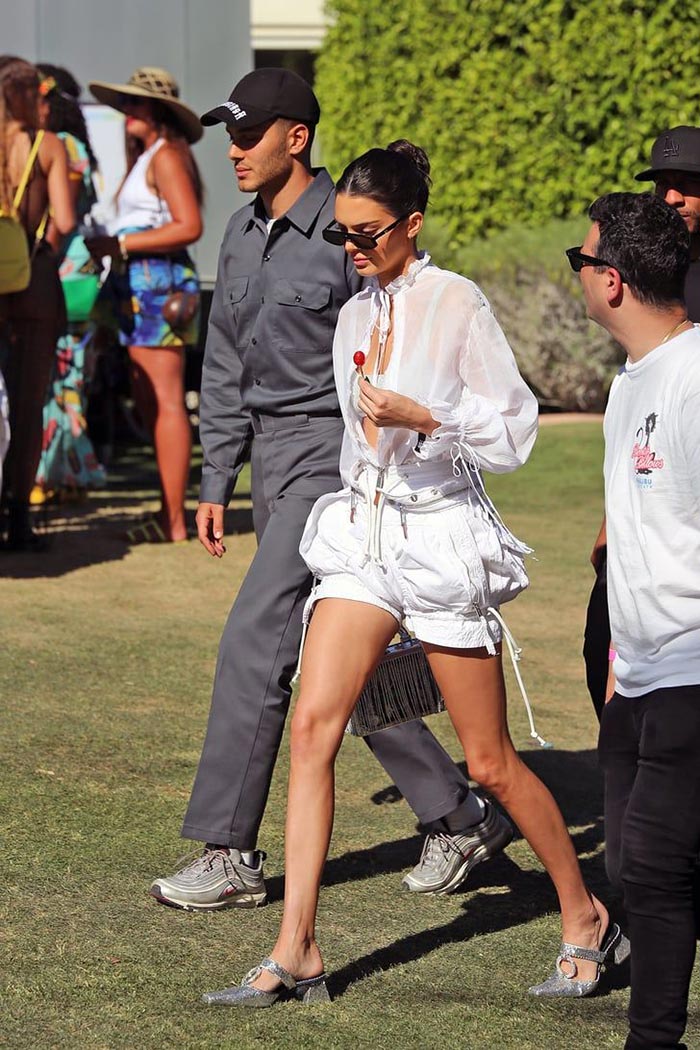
{"type": "Point", "coordinates": [446, 859]}
{"type": "Point", "coordinates": [218, 878]}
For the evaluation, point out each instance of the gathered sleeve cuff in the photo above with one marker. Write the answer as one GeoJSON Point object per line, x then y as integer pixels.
{"type": "Point", "coordinates": [496, 417]}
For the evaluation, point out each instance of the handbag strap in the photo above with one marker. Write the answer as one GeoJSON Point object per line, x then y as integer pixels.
{"type": "Point", "coordinates": [21, 188]}
{"type": "Point", "coordinates": [41, 228]}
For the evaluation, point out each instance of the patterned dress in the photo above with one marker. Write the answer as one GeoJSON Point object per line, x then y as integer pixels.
{"type": "Point", "coordinates": [68, 460]}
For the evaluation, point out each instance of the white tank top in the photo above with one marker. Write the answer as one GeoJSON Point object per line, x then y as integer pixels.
{"type": "Point", "coordinates": [137, 205]}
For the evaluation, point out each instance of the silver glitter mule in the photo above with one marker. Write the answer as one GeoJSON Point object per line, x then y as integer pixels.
{"type": "Point", "coordinates": [310, 991]}
{"type": "Point", "coordinates": [613, 951]}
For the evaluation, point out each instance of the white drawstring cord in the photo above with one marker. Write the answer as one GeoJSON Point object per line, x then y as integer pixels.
{"type": "Point", "coordinates": [515, 653]}
{"type": "Point", "coordinates": [471, 465]}
{"type": "Point", "coordinates": [308, 608]}
{"type": "Point", "coordinates": [375, 512]}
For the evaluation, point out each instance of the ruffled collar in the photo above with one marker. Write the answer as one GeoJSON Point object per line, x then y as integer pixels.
{"type": "Point", "coordinates": [404, 280]}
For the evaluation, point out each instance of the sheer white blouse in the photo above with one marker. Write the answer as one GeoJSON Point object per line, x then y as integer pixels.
{"type": "Point", "coordinates": [450, 355]}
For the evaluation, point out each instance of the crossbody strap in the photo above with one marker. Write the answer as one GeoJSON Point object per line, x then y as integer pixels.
{"type": "Point", "coordinates": [19, 193]}
{"type": "Point", "coordinates": [41, 228]}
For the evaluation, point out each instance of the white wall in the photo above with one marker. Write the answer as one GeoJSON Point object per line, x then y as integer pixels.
{"type": "Point", "coordinates": [204, 43]}
{"type": "Point", "coordinates": [287, 24]}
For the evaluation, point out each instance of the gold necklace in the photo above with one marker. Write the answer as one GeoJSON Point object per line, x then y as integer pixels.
{"type": "Point", "coordinates": [674, 330]}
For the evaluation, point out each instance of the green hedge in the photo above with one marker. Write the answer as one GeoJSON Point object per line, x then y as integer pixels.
{"type": "Point", "coordinates": [528, 108]}
{"type": "Point", "coordinates": [567, 360]}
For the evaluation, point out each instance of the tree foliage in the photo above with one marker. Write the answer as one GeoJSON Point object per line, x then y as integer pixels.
{"type": "Point", "coordinates": [528, 109]}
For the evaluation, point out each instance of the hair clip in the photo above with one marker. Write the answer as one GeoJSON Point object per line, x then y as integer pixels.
{"type": "Point", "coordinates": [46, 86]}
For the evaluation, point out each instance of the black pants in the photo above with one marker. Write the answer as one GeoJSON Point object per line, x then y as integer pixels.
{"type": "Point", "coordinates": [650, 750]}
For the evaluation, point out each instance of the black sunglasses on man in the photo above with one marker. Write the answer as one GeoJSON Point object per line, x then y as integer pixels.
{"type": "Point", "coordinates": [578, 259]}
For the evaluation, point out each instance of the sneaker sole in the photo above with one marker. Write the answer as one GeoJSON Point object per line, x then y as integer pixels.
{"type": "Point", "coordinates": [240, 900]}
{"type": "Point", "coordinates": [485, 852]}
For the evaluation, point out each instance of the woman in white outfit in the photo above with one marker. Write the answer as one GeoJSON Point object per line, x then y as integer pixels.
{"type": "Point", "coordinates": [412, 536]}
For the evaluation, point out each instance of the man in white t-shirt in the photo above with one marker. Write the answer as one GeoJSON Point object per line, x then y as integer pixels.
{"type": "Point", "coordinates": [633, 264]}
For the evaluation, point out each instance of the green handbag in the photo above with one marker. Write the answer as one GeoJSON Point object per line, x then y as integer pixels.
{"type": "Point", "coordinates": [80, 280]}
{"type": "Point", "coordinates": [80, 294]}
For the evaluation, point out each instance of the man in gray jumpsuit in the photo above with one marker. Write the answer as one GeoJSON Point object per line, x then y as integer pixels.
{"type": "Point", "coordinates": [268, 379]}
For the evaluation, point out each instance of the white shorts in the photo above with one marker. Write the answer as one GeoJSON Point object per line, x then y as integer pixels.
{"type": "Point", "coordinates": [439, 570]}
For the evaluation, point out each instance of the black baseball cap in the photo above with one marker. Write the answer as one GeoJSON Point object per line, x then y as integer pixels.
{"type": "Point", "coordinates": [263, 95]}
{"type": "Point", "coordinates": [677, 149]}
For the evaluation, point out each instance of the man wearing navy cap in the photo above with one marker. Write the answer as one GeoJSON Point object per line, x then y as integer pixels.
{"type": "Point", "coordinates": [268, 383]}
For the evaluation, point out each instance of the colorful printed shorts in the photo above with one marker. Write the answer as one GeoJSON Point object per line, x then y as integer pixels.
{"type": "Point", "coordinates": [136, 296]}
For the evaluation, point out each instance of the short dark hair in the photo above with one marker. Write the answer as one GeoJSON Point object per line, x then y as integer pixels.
{"type": "Point", "coordinates": [397, 177]}
{"type": "Point", "coordinates": [648, 241]}
{"type": "Point", "coordinates": [311, 128]}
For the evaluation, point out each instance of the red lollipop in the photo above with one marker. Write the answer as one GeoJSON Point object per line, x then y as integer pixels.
{"type": "Point", "coordinates": [359, 359]}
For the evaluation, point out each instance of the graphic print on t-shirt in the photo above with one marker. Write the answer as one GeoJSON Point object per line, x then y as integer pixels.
{"type": "Point", "coordinates": [645, 459]}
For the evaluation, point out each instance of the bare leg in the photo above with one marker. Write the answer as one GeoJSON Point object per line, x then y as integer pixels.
{"type": "Point", "coordinates": [345, 642]}
{"type": "Point", "coordinates": [159, 391]}
{"type": "Point", "coordinates": [472, 684]}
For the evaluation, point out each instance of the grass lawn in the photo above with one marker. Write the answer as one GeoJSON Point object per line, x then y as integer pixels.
{"type": "Point", "coordinates": [107, 659]}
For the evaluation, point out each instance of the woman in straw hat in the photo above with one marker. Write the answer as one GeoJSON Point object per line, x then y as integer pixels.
{"type": "Point", "coordinates": [158, 216]}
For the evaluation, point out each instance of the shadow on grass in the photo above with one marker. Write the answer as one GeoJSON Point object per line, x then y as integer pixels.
{"type": "Point", "coordinates": [576, 783]}
{"type": "Point", "coordinates": [94, 531]}
{"type": "Point", "coordinates": [573, 777]}
{"type": "Point", "coordinates": [530, 895]}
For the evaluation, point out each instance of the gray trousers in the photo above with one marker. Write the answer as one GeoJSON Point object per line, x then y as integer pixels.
{"type": "Point", "coordinates": [259, 647]}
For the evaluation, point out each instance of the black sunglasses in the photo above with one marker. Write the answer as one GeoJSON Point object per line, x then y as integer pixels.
{"type": "Point", "coordinates": [360, 240]}
{"type": "Point", "coordinates": [577, 261]}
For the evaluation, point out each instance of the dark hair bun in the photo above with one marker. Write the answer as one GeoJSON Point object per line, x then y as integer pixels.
{"type": "Point", "coordinates": [417, 156]}
{"type": "Point", "coordinates": [397, 177]}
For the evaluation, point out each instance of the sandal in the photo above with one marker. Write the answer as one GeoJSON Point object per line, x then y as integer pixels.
{"type": "Point", "coordinates": [147, 531]}
{"type": "Point", "coordinates": [614, 949]}
{"type": "Point", "coordinates": [150, 530]}
{"type": "Point", "coordinates": [311, 991]}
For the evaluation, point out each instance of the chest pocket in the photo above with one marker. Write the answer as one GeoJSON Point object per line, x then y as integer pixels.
{"type": "Point", "coordinates": [238, 301]}
{"type": "Point", "coordinates": [302, 316]}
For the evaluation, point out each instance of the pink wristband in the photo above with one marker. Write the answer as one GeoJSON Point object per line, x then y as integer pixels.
{"type": "Point", "coordinates": [612, 653]}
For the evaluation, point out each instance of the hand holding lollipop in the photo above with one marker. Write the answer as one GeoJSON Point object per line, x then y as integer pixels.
{"type": "Point", "coordinates": [359, 360]}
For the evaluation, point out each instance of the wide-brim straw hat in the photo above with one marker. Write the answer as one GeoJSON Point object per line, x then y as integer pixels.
{"type": "Point", "coordinates": [156, 84]}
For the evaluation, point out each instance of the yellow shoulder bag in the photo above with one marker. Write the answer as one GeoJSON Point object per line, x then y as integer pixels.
{"type": "Point", "coordinates": [15, 259]}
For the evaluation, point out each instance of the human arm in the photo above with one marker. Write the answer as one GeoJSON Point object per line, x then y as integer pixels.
{"type": "Point", "coordinates": [174, 186]}
{"type": "Point", "coordinates": [496, 417]}
{"type": "Point", "coordinates": [225, 429]}
{"type": "Point", "coordinates": [610, 684]}
{"type": "Point", "coordinates": [386, 408]}
{"type": "Point", "coordinates": [210, 528]}
{"type": "Point", "coordinates": [54, 164]}
{"type": "Point", "coordinates": [599, 545]}
{"type": "Point", "coordinates": [77, 166]}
